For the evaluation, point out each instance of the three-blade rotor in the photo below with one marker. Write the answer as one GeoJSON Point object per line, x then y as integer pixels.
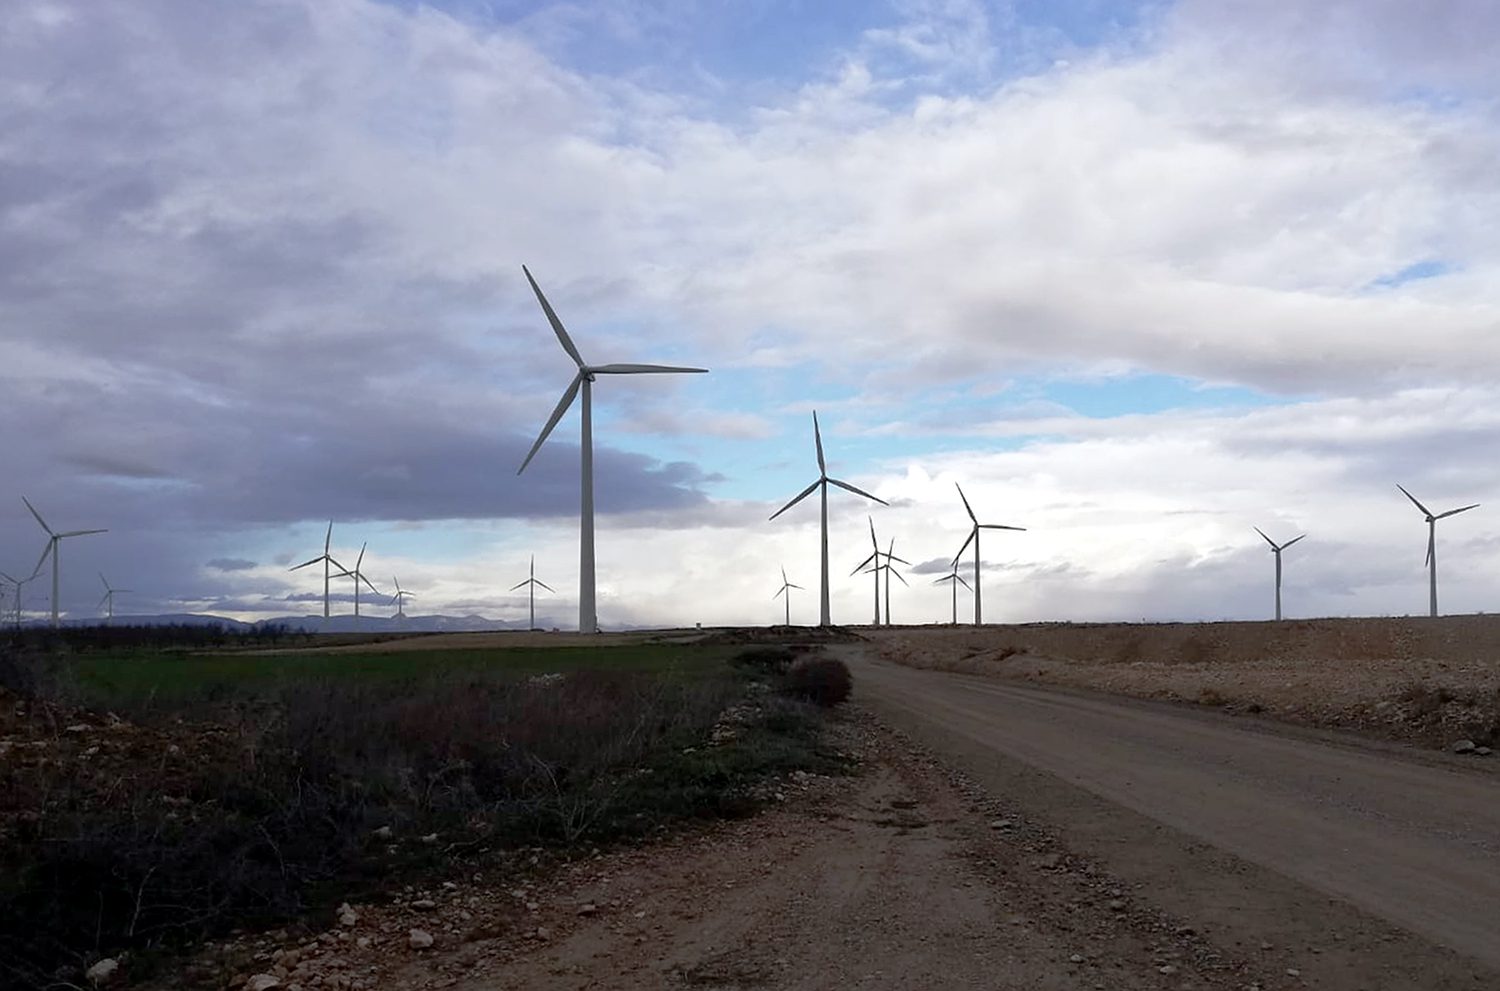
{"type": "Point", "coordinates": [824, 479]}
{"type": "Point", "coordinates": [1275, 547]}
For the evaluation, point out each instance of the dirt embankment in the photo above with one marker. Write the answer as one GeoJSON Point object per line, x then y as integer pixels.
{"type": "Point", "coordinates": [1432, 682]}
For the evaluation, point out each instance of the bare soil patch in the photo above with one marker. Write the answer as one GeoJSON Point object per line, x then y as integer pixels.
{"type": "Point", "coordinates": [1425, 681]}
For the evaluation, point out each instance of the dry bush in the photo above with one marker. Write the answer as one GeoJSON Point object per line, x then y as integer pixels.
{"type": "Point", "coordinates": [823, 681]}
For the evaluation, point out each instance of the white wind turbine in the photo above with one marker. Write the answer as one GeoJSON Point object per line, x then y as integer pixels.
{"type": "Point", "coordinates": [873, 564]}
{"type": "Point", "coordinates": [974, 538]}
{"type": "Point", "coordinates": [890, 556]}
{"type": "Point", "coordinates": [358, 577]}
{"type": "Point", "coordinates": [1277, 549]}
{"type": "Point", "coordinates": [20, 584]}
{"type": "Point", "coordinates": [400, 598]}
{"type": "Point", "coordinates": [53, 542]}
{"type": "Point", "coordinates": [956, 580]}
{"type": "Point", "coordinates": [822, 483]}
{"type": "Point", "coordinates": [786, 587]}
{"type": "Point", "coordinates": [530, 584]}
{"type": "Point", "coordinates": [1431, 561]}
{"type": "Point", "coordinates": [109, 598]}
{"type": "Point", "coordinates": [327, 560]}
{"type": "Point", "coordinates": [583, 380]}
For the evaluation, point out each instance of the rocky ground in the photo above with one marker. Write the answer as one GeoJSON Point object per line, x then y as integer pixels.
{"type": "Point", "coordinates": [1431, 682]}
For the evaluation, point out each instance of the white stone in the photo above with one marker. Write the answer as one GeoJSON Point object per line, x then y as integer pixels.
{"type": "Point", "coordinates": [101, 972]}
{"type": "Point", "coordinates": [262, 982]}
{"type": "Point", "coordinates": [419, 939]}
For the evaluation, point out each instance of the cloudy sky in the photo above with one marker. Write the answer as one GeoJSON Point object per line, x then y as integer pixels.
{"type": "Point", "coordinates": [1140, 275]}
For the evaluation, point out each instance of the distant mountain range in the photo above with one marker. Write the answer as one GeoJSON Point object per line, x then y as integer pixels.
{"type": "Point", "coordinates": [317, 624]}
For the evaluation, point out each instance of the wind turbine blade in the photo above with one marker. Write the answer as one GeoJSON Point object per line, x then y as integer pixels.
{"type": "Point", "coordinates": [1265, 538]}
{"type": "Point", "coordinates": [961, 581]}
{"type": "Point", "coordinates": [520, 584]}
{"type": "Point", "coordinates": [306, 563]}
{"type": "Point", "coordinates": [972, 534]}
{"type": "Point", "coordinates": [101, 578]}
{"type": "Point", "coordinates": [80, 533]}
{"type": "Point", "coordinates": [102, 599]}
{"type": "Point", "coordinates": [1413, 498]}
{"type": "Point", "coordinates": [1455, 512]}
{"type": "Point", "coordinates": [37, 515]}
{"type": "Point", "coordinates": [8, 578]}
{"type": "Point", "coordinates": [945, 578]}
{"type": "Point", "coordinates": [805, 493]}
{"type": "Point", "coordinates": [1431, 537]}
{"type": "Point", "coordinates": [546, 586]}
{"type": "Point", "coordinates": [779, 592]}
{"type": "Point", "coordinates": [818, 439]}
{"type": "Point", "coordinates": [43, 559]}
{"type": "Point", "coordinates": [849, 488]}
{"type": "Point", "coordinates": [873, 542]}
{"type": "Point", "coordinates": [368, 584]}
{"type": "Point", "coordinates": [783, 576]}
{"type": "Point", "coordinates": [557, 414]}
{"type": "Point", "coordinates": [892, 557]}
{"type": "Point", "coordinates": [557, 327]}
{"type": "Point", "coordinates": [998, 526]}
{"type": "Point", "coordinates": [892, 571]}
{"type": "Point", "coordinates": [328, 537]}
{"type": "Point", "coordinates": [1292, 541]}
{"type": "Point", "coordinates": [967, 508]}
{"type": "Point", "coordinates": [799, 587]}
{"type": "Point", "coordinates": [335, 562]}
{"type": "Point", "coordinates": [635, 369]}
{"type": "Point", "coordinates": [361, 559]}
{"type": "Point", "coordinates": [862, 565]}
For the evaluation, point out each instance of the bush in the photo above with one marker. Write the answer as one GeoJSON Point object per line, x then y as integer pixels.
{"type": "Point", "coordinates": [768, 660]}
{"type": "Point", "coordinates": [820, 680]}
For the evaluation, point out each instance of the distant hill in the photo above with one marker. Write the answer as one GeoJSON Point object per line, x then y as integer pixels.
{"type": "Point", "coordinates": [317, 624]}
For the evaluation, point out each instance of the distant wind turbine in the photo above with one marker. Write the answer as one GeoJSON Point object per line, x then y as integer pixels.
{"type": "Point", "coordinates": [1277, 549]}
{"type": "Point", "coordinates": [400, 597]}
{"type": "Point", "coordinates": [20, 584]}
{"type": "Point", "coordinates": [54, 540]}
{"type": "Point", "coordinates": [1431, 561]}
{"type": "Point", "coordinates": [785, 590]}
{"type": "Point", "coordinates": [358, 577]}
{"type": "Point", "coordinates": [890, 555]}
{"type": "Point", "coordinates": [109, 598]}
{"type": "Point", "coordinates": [588, 621]}
{"type": "Point", "coordinates": [327, 560]}
{"type": "Point", "coordinates": [955, 579]}
{"type": "Point", "coordinates": [873, 564]}
{"type": "Point", "coordinates": [974, 538]}
{"type": "Point", "coordinates": [822, 483]}
{"type": "Point", "coordinates": [530, 584]}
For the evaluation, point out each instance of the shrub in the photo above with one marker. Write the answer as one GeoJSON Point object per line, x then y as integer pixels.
{"type": "Point", "coordinates": [820, 680]}
{"type": "Point", "coordinates": [769, 660]}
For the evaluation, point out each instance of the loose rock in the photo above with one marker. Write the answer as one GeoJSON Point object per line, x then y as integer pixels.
{"type": "Point", "coordinates": [419, 939]}
{"type": "Point", "coordinates": [101, 972]}
{"type": "Point", "coordinates": [262, 982]}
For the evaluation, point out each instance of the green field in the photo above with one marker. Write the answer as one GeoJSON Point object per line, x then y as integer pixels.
{"type": "Point", "coordinates": [167, 676]}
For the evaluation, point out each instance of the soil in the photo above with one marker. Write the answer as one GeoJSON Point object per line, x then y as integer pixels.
{"type": "Point", "coordinates": [1425, 681]}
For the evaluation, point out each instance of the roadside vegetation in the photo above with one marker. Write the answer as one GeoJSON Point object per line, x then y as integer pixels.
{"type": "Point", "coordinates": [150, 799]}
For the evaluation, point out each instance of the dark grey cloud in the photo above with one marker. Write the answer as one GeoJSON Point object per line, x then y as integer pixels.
{"type": "Point", "coordinates": [230, 564]}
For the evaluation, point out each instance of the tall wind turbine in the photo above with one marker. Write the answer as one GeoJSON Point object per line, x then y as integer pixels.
{"type": "Point", "coordinates": [358, 577]}
{"type": "Point", "coordinates": [890, 555]}
{"type": "Point", "coordinates": [785, 590]}
{"type": "Point", "coordinates": [956, 580]}
{"type": "Point", "coordinates": [400, 598]}
{"type": "Point", "coordinates": [20, 584]}
{"type": "Point", "coordinates": [1431, 561]}
{"type": "Point", "coordinates": [327, 560]}
{"type": "Point", "coordinates": [873, 564]}
{"type": "Point", "coordinates": [530, 584]}
{"type": "Point", "coordinates": [583, 380]}
{"type": "Point", "coordinates": [822, 483]}
{"type": "Point", "coordinates": [109, 598]}
{"type": "Point", "coordinates": [974, 538]}
{"type": "Point", "coordinates": [1277, 549]}
{"type": "Point", "coordinates": [53, 542]}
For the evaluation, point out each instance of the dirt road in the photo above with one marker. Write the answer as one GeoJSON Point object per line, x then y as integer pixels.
{"type": "Point", "coordinates": [1409, 838]}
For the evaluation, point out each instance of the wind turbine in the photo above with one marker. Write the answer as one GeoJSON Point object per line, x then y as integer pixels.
{"type": "Point", "coordinates": [53, 540]}
{"type": "Point", "coordinates": [890, 555]}
{"type": "Point", "coordinates": [19, 583]}
{"type": "Point", "coordinates": [400, 597]}
{"type": "Point", "coordinates": [530, 584]}
{"type": "Point", "coordinates": [109, 597]}
{"type": "Point", "coordinates": [822, 483]}
{"type": "Point", "coordinates": [956, 579]}
{"type": "Point", "coordinates": [974, 538]}
{"type": "Point", "coordinates": [588, 621]}
{"type": "Point", "coordinates": [327, 559]}
{"type": "Point", "coordinates": [1277, 549]}
{"type": "Point", "coordinates": [1431, 561]}
{"type": "Point", "coordinates": [873, 563]}
{"type": "Point", "coordinates": [358, 577]}
{"type": "Point", "coordinates": [785, 590]}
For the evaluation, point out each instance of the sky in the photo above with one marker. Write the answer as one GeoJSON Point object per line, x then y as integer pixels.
{"type": "Point", "coordinates": [1140, 276]}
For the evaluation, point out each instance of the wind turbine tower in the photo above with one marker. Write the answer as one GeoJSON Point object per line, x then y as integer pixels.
{"type": "Point", "coordinates": [327, 560]}
{"type": "Point", "coordinates": [955, 579]}
{"type": "Point", "coordinates": [873, 563]}
{"type": "Point", "coordinates": [974, 539]}
{"type": "Point", "coordinates": [54, 541]}
{"type": "Point", "coordinates": [583, 381]}
{"type": "Point", "coordinates": [890, 555]}
{"type": "Point", "coordinates": [358, 577]}
{"type": "Point", "coordinates": [1431, 561]}
{"type": "Point", "coordinates": [530, 584]}
{"type": "Point", "coordinates": [785, 590]}
{"type": "Point", "coordinates": [1276, 549]}
{"type": "Point", "coordinates": [822, 483]}
{"type": "Point", "coordinates": [400, 597]}
{"type": "Point", "coordinates": [109, 598]}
